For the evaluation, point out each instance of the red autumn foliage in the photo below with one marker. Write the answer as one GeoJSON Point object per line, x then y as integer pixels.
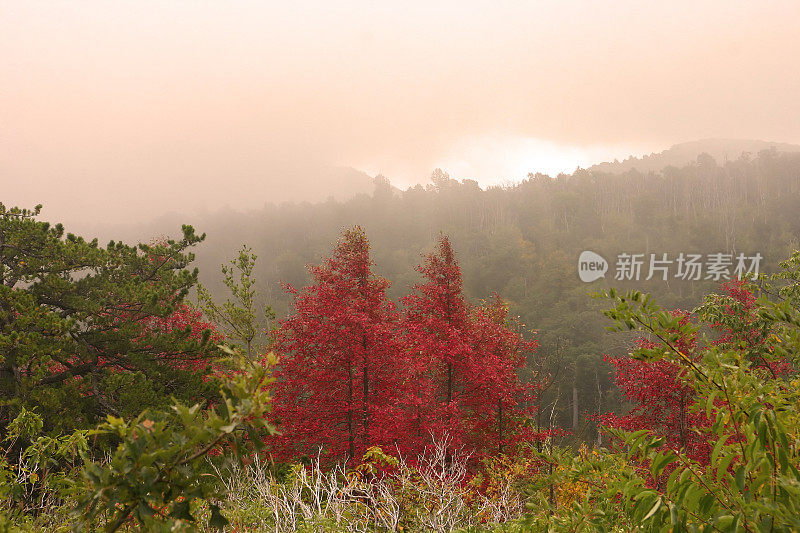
{"type": "Point", "coordinates": [343, 380]}
{"type": "Point", "coordinates": [661, 399]}
{"type": "Point", "coordinates": [740, 326]}
{"type": "Point", "coordinates": [500, 404]}
{"type": "Point", "coordinates": [188, 318]}
{"type": "Point", "coordinates": [437, 326]}
{"type": "Point", "coordinates": [470, 357]}
{"type": "Point", "coordinates": [354, 374]}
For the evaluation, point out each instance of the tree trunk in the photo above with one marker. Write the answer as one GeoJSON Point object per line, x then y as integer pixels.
{"type": "Point", "coordinates": [2, 265]}
{"type": "Point", "coordinates": [500, 426]}
{"type": "Point", "coordinates": [599, 406]}
{"type": "Point", "coordinates": [350, 435]}
{"type": "Point", "coordinates": [574, 408]}
{"type": "Point", "coordinates": [449, 383]}
{"type": "Point", "coordinates": [365, 386]}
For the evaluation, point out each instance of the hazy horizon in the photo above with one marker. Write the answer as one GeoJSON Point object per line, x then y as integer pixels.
{"type": "Point", "coordinates": [125, 111]}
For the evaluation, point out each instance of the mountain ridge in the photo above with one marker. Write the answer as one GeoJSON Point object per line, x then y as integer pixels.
{"type": "Point", "coordinates": [681, 154]}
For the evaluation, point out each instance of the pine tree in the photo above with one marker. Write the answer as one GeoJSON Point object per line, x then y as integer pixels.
{"type": "Point", "coordinates": [239, 317]}
{"type": "Point", "coordinates": [87, 331]}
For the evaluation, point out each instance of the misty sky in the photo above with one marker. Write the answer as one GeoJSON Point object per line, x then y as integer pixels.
{"type": "Point", "coordinates": [123, 110]}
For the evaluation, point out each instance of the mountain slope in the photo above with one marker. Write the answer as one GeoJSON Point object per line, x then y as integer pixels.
{"type": "Point", "coordinates": [681, 154]}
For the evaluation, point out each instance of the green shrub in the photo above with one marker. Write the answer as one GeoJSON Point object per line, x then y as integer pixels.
{"type": "Point", "coordinates": [155, 474]}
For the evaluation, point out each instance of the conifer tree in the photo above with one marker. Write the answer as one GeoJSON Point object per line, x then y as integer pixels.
{"type": "Point", "coordinates": [239, 317]}
{"type": "Point", "coordinates": [83, 328]}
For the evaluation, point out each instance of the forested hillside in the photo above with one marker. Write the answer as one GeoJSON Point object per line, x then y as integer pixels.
{"type": "Point", "coordinates": [679, 155]}
{"type": "Point", "coordinates": [523, 241]}
{"type": "Point", "coordinates": [426, 405]}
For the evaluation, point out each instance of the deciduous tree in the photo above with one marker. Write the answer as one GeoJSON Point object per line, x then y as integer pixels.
{"type": "Point", "coordinates": [469, 355]}
{"type": "Point", "coordinates": [343, 377]}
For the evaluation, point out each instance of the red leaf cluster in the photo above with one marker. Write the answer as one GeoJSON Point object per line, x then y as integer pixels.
{"type": "Point", "coordinates": [355, 372]}
{"type": "Point", "coordinates": [662, 401]}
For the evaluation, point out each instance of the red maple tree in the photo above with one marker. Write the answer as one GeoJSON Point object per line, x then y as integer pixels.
{"type": "Point", "coordinates": [437, 325]}
{"type": "Point", "coordinates": [469, 357]}
{"type": "Point", "coordinates": [734, 315]}
{"type": "Point", "coordinates": [662, 399]}
{"type": "Point", "coordinates": [500, 403]}
{"type": "Point", "coordinates": [343, 379]}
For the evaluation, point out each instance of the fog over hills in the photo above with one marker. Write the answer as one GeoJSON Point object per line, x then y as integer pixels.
{"type": "Point", "coordinates": [324, 184]}
{"type": "Point", "coordinates": [521, 241]}
{"type": "Point", "coordinates": [338, 183]}
{"type": "Point", "coordinates": [680, 154]}
{"type": "Point", "coordinates": [537, 262]}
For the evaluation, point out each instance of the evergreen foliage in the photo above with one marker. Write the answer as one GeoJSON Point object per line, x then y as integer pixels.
{"type": "Point", "coordinates": [87, 331]}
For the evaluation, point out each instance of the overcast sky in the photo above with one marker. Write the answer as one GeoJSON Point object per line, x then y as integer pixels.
{"type": "Point", "coordinates": [114, 110]}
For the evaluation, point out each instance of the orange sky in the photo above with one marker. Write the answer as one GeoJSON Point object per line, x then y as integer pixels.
{"type": "Point", "coordinates": [116, 110]}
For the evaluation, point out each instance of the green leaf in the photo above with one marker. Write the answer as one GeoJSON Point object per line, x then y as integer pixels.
{"type": "Point", "coordinates": [660, 462]}
{"type": "Point", "coordinates": [740, 478]}
{"type": "Point", "coordinates": [653, 510]}
{"type": "Point", "coordinates": [717, 449]}
{"type": "Point", "coordinates": [217, 521]}
{"type": "Point", "coordinates": [181, 510]}
{"type": "Point", "coordinates": [704, 506]}
{"type": "Point", "coordinates": [724, 522]}
{"type": "Point", "coordinates": [722, 469]}
{"type": "Point", "coordinates": [710, 403]}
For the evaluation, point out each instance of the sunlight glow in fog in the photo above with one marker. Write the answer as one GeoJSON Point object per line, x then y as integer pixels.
{"type": "Point", "coordinates": [122, 111]}
{"type": "Point", "coordinates": [502, 159]}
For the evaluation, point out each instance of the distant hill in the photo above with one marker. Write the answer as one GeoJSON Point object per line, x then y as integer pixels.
{"type": "Point", "coordinates": [339, 183]}
{"type": "Point", "coordinates": [681, 154]}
